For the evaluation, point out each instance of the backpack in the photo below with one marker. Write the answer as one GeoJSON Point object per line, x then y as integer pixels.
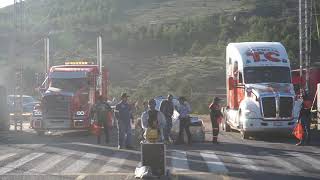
{"type": "Point", "coordinates": [153, 119]}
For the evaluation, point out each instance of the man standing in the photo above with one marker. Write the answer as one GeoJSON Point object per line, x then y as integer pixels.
{"type": "Point", "coordinates": [184, 109]}
{"type": "Point", "coordinates": [215, 116]}
{"type": "Point", "coordinates": [124, 116]}
{"type": "Point", "coordinates": [100, 111]}
{"type": "Point", "coordinates": [305, 118]}
{"type": "Point", "coordinates": [167, 108]}
{"type": "Point", "coordinates": [152, 119]}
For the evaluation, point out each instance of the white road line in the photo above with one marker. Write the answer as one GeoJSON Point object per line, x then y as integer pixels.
{"type": "Point", "coordinates": [80, 164]}
{"type": "Point", "coordinates": [6, 156]}
{"type": "Point", "coordinates": [179, 160]}
{"type": "Point", "coordinates": [47, 164]}
{"type": "Point", "coordinates": [13, 165]}
{"type": "Point", "coordinates": [115, 163]}
{"type": "Point", "coordinates": [288, 166]}
{"type": "Point", "coordinates": [312, 161]}
{"type": "Point", "coordinates": [213, 162]}
{"type": "Point", "coordinates": [245, 162]}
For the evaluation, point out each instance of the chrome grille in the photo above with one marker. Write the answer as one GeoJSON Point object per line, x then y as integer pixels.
{"type": "Point", "coordinates": [269, 107]}
{"type": "Point", "coordinates": [286, 106]}
{"type": "Point", "coordinates": [277, 107]}
{"type": "Point", "coordinates": [57, 111]}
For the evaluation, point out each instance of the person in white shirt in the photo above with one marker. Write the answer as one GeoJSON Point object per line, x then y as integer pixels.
{"type": "Point", "coordinates": [184, 109]}
{"type": "Point", "coordinates": [153, 119]}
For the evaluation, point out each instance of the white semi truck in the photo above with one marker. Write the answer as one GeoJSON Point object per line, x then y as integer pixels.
{"type": "Point", "coordinates": [260, 94]}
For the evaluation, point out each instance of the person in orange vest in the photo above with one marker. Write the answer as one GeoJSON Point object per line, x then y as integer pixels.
{"type": "Point", "coordinates": [305, 119]}
{"type": "Point", "coordinates": [215, 117]}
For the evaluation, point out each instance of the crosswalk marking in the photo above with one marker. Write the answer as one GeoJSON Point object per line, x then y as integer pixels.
{"type": "Point", "coordinates": [213, 162]}
{"type": "Point", "coordinates": [313, 162]}
{"type": "Point", "coordinates": [47, 164]}
{"type": "Point", "coordinates": [11, 166]}
{"type": "Point", "coordinates": [288, 166]}
{"type": "Point", "coordinates": [6, 156]}
{"type": "Point", "coordinates": [245, 161]}
{"type": "Point", "coordinates": [114, 164]}
{"type": "Point", "coordinates": [179, 160]}
{"type": "Point", "coordinates": [80, 164]}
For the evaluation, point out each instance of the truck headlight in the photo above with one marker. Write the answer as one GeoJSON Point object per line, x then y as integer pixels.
{"type": "Point", "coordinates": [250, 114]}
{"type": "Point", "coordinates": [80, 113]}
{"type": "Point", "coordinates": [37, 113]}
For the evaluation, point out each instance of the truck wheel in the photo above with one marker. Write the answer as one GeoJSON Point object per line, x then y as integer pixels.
{"type": "Point", "coordinates": [226, 126]}
{"type": "Point", "coordinates": [244, 135]}
{"type": "Point", "coordinates": [40, 133]}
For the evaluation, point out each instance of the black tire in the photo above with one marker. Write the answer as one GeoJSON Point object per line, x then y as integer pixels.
{"type": "Point", "coordinates": [226, 126]}
{"type": "Point", "coordinates": [40, 133]}
{"type": "Point", "coordinates": [244, 134]}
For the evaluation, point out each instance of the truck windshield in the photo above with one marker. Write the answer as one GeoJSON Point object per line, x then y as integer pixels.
{"type": "Point", "coordinates": [273, 74]}
{"type": "Point", "coordinates": [71, 85]}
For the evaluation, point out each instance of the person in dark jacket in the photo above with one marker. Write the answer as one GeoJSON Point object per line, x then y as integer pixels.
{"type": "Point", "coordinates": [215, 116]}
{"type": "Point", "coordinates": [167, 108]}
{"type": "Point", "coordinates": [124, 116]}
{"type": "Point", "coordinates": [305, 118]}
{"type": "Point", "coordinates": [100, 112]}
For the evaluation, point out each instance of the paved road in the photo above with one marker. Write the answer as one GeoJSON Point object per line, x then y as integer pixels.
{"type": "Point", "coordinates": [25, 155]}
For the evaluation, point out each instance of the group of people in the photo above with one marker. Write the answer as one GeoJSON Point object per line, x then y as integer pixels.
{"type": "Point", "coordinates": [102, 114]}
{"type": "Point", "coordinates": [160, 122]}
{"type": "Point", "coordinates": [152, 120]}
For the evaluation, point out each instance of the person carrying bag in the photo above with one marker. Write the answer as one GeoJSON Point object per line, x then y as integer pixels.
{"type": "Point", "coordinates": [302, 129]}
{"type": "Point", "coordinates": [101, 113]}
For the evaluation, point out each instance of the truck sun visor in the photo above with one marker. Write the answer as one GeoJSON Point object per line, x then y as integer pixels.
{"type": "Point", "coordinates": [68, 75]}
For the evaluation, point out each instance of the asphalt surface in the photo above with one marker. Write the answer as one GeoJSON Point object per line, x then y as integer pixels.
{"type": "Point", "coordinates": [75, 155]}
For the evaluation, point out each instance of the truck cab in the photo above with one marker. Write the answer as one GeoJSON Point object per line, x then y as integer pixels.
{"type": "Point", "coordinates": [260, 94]}
{"type": "Point", "coordinates": [71, 93]}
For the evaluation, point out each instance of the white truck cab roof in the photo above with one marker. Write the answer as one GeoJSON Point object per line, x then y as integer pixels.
{"type": "Point", "coordinates": [251, 54]}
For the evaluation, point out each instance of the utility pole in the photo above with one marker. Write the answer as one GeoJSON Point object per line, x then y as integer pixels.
{"type": "Point", "coordinates": [18, 90]}
{"type": "Point", "coordinates": [300, 45]}
{"type": "Point", "coordinates": [306, 29]}
{"type": "Point", "coordinates": [305, 42]}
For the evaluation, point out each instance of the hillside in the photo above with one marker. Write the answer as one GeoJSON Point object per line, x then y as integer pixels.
{"type": "Point", "coordinates": [151, 47]}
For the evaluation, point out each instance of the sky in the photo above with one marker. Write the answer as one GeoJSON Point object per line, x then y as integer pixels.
{"type": "Point", "coordinates": [4, 3]}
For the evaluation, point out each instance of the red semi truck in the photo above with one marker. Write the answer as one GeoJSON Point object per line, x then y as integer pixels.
{"type": "Point", "coordinates": [69, 97]}
{"type": "Point", "coordinates": [314, 79]}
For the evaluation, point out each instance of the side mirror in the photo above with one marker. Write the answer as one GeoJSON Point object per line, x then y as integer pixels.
{"type": "Point", "coordinates": [231, 83]}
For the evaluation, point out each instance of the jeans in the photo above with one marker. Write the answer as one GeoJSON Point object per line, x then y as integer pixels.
{"type": "Point", "coordinates": [305, 121]}
{"type": "Point", "coordinates": [184, 125]}
{"type": "Point", "coordinates": [106, 132]}
{"type": "Point", "coordinates": [167, 130]}
{"type": "Point", "coordinates": [215, 129]}
{"type": "Point", "coordinates": [124, 134]}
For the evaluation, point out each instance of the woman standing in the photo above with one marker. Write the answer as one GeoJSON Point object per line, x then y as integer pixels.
{"type": "Point", "coordinates": [215, 116]}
